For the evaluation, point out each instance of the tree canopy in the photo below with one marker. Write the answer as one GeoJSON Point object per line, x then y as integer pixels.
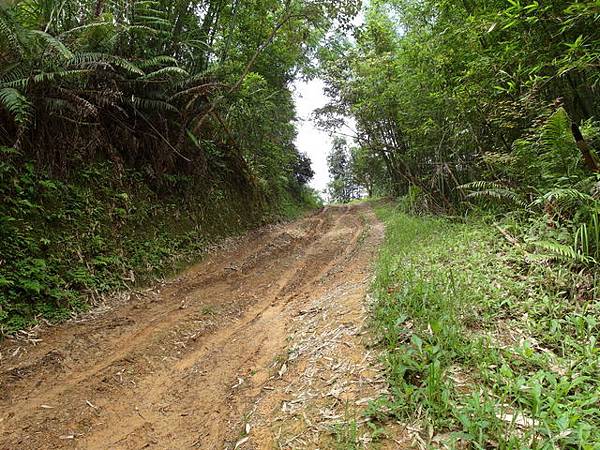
{"type": "Point", "coordinates": [185, 86]}
{"type": "Point", "coordinates": [459, 100]}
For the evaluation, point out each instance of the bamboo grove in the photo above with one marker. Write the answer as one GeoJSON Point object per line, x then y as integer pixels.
{"type": "Point", "coordinates": [462, 103]}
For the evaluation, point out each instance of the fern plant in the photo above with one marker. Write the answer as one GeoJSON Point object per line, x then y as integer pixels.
{"type": "Point", "coordinates": [552, 185]}
{"type": "Point", "coordinates": [16, 104]}
{"type": "Point", "coordinates": [494, 191]}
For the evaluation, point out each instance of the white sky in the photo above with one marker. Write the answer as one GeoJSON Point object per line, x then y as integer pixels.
{"type": "Point", "coordinates": [309, 96]}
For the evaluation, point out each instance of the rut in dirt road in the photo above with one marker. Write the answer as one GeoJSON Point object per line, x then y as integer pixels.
{"type": "Point", "coordinates": [204, 361]}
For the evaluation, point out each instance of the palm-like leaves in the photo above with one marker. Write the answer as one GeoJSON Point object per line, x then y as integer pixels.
{"type": "Point", "coordinates": [496, 191]}
{"type": "Point", "coordinates": [135, 80]}
{"type": "Point", "coordinates": [67, 61]}
{"type": "Point", "coordinates": [16, 104]}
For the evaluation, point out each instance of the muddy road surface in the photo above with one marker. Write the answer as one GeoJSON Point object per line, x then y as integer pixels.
{"type": "Point", "coordinates": [262, 345]}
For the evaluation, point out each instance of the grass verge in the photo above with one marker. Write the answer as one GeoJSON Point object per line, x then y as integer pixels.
{"type": "Point", "coordinates": [486, 346]}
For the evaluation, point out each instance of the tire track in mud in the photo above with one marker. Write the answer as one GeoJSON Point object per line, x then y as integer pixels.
{"type": "Point", "coordinates": [179, 367]}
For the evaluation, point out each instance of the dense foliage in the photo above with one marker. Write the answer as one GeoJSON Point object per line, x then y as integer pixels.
{"type": "Point", "coordinates": [66, 242]}
{"type": "Point", "coordinates": [342, 187]}
{"type": "Point", "coordinates": [476, 100]}
{"type": "Point", "coordinates": [164, 86]}
{"type": "Point", "coordinates": [488, 110]}
{"type": "Point", "coordinates": [132, 125]}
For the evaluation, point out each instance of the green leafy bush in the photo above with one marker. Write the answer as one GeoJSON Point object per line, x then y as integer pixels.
{"type": "Point", "coordinates": [550, 193]}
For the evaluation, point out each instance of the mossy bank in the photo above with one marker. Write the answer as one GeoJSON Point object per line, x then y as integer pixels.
{"type": "Point", "coordinates": [67, 240]}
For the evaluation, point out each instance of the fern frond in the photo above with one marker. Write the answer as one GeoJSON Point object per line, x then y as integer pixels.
{"type": "Point", "coordinates": [82, 106]}
{"type": "Point", "coordinates": [13, 72]}
{"type": "Point", "coordinates": [107, 97]}
{"type": "Point", "coordinates": [156, 12]}
{"type": "Point", "coordinates": [54, 43]}
{"type": "Point", "coordinates": [498, 194]}
{"type": "Point", "coordinates": [59, 75]}
{"type": "Point", "coordinates": [154, 20]}
{"type": "Point", "coordinates": [565, 196]}
{"type": "Point", "coordinates": [145, 29]}
{"type": "Point", "coordinates": [198, 89]}
{"type": "Point", "coordinates": [157, 61]}
{"type": "Point", "coordinates": [56, 105]}
{"type": "Point", "coordinates": [16, 104]}
{"type": "Point", "coordinates": [19, 83]}
{"type": "Point", "coordinates": [83, 59]}
{"type": "Point", "coordinates": [480, 185]}
{"type": "Point", "coordinates": [9, 32]}
{"type": "Point", "coordinates": [492, 190]}
{"type": "Point", "coordinates": [125, 64]}
{"type": "Point", "coordinates": [173, 71]}
{"type": "Point", "coordinates": [198, 78]}
{"type": "Point", "coordinates": [562, 251]}
{"type": "Point", "coordinates": [556, 128]}
{"type": "Point", "coordinates": [87, 26]}
{"type": "Point", "coordinates": [151, 3]}
{"type": "Point", "coordinates": [148, 104]}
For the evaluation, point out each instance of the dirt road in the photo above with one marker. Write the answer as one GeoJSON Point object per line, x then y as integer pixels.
{"type": "Point", "coordinates": [262, 345]}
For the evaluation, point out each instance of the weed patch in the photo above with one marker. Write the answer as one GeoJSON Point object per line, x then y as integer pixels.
{"type": "Point", "coordinates": [483, 347]}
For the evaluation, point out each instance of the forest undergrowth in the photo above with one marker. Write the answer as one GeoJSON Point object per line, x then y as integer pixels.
{"type": "Point", "coordinates": [67, 244]}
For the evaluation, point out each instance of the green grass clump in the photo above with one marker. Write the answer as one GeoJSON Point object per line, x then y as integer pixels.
{"type": "Point", "coordinates": [483, 346]}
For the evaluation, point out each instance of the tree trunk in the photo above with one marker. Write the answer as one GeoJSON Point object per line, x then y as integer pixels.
{"type": "Point", "coordinates": [589, 158]}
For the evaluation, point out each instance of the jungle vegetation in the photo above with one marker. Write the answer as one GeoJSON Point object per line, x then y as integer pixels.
{"type": "Point", "coordinates": [467, 104]}
{"type": "Point", "coordinates": [131, 132]}
{"type": "Point", "coordinates": [483, 119]}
